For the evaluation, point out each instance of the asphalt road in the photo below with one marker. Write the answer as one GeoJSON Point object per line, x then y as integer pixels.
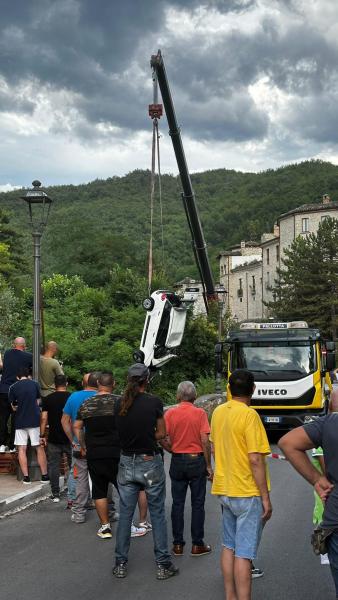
{"type": "Point", "coordinates": [46, 557]}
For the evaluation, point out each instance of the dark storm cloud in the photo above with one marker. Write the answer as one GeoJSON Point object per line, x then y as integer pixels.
{"type": "Point", "coordinates": [93, 49]}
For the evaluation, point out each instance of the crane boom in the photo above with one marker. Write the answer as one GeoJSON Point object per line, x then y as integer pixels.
{"type": "Point", "coordinates": [188, 196]}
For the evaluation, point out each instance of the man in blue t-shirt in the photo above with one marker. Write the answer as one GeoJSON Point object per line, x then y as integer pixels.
{"type": "Point", "coordinates": [24, 396]}
{"type": "Point", "coordinates": [80, 468]}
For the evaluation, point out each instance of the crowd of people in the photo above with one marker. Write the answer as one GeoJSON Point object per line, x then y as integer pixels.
{"type": "Point", "coordinates": [113, 441]}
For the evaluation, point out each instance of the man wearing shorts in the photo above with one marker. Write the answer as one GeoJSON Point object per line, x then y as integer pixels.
{"type": "Point", "coordinates": [101, 444]}
{"type": "Point", "coordinates": [24, 396]}
{"type": "Point", "coordinates": [241, 482]}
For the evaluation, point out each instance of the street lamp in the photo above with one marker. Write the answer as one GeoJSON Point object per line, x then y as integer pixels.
{"type": "Point", "coordinates": [39, 205]}
{"type": "Point", "coordinates": [220, 291]}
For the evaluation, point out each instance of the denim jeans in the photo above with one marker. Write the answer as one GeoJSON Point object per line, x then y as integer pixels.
{"type": "Point", "coordinates": [332, 551]}
{"type": "Point", "coordinates": [242, 524]}
{"type": "Point", "coordinates": [54, 454]}
{"type": "Point", "coordinates": [137, 473]}
{"type": "Point", "coordinates": [188, 471]}
{"type": "Point", "coordinates": [71, 484]}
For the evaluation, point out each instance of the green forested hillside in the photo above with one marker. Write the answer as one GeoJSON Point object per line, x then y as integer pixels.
{"type": "Point", "coordinates": [104, 222]}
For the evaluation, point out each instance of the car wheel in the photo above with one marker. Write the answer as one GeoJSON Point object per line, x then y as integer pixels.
{"type": "Point", "coordinates": [138, 356]}
{"type": "Point", "coordinates": [148, 303]}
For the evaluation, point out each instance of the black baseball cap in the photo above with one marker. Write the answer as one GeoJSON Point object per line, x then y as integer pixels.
{"type": "Point", "coordinates": [138, 370]}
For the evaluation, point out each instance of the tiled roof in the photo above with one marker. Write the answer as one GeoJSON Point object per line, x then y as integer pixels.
{"type": "Point", "coordinates": [311, 208]}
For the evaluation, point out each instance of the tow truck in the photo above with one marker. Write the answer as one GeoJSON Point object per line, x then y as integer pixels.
{"type": "Point", "coordinates": [166, 311]}
{"type": "Point", "coordinates": [291, 364]}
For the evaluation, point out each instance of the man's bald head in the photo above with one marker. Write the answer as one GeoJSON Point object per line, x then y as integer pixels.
{"type": "Point", "coordinates": [52, 346]}
{"type": "Point", "coordinates": [51, 349]}
{"type": "Point", "coordinates": [19, 343]}
{"type": "Point", "coordinates": [85, 380]}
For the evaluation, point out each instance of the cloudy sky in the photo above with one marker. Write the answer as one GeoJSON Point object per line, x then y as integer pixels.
{"type": "Point", "coordinates": [254, 83]}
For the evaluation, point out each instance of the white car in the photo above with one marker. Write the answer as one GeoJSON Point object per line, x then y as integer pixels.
{"type": "Point", "coordinates": [163, 328]}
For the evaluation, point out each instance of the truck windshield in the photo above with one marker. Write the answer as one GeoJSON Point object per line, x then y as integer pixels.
{"type": "Point", "coordinates": [275, 360]}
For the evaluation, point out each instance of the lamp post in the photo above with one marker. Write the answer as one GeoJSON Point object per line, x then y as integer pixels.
{"type": "Point", "coordinates": [220, 291]}
{"type": "Point", "coordinates": [39, 205]}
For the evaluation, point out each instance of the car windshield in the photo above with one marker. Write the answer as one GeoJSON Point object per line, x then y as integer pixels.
{"type": "Point", "coordinates": [277, 360]}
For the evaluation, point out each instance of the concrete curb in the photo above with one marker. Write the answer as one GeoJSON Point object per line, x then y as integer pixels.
{"type": "Point", "coordinates": [26, 498]}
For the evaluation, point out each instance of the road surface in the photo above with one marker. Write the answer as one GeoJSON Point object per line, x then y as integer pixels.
{"type": "Point", "coordinates": [46, 557]}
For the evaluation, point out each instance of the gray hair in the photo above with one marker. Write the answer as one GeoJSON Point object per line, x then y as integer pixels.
{"type": "Point", "coordinates": [186, 391]}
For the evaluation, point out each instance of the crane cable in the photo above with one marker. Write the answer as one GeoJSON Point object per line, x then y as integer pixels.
{"type": "Point", "coordinates": [152, 194]}
{"type": "Point", "coordinates": [160, 190]}
{"type": "Point", "coordinates": [155, 112]}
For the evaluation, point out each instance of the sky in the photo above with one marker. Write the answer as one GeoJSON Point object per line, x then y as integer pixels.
{"type": "Point", "coordinates": [254, 84]}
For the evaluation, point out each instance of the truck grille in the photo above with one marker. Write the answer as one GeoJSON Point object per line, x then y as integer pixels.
{"type": "Point", "coordinates": [304, 400]}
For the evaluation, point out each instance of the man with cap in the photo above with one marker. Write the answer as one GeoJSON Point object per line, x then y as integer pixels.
{"type": "Point", "coordinates": [140, 424]}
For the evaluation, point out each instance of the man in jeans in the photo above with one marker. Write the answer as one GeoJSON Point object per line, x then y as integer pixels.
{"type": "Point", "coordinates": [188, 440]}
{"type": "Point", "coordinates": [295, 444]}
{"type": "Point", "coordinates": [240, 481]}
{"type": "Point", "coordinates": [58, 443]}
{"type": "Point", "coordinates": [140, 424]}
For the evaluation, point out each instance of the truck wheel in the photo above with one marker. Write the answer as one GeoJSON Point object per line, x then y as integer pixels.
{"type": "Point", "coordinates": [148, 303]}
{"type": "Point", "coordinates": [138, 356]}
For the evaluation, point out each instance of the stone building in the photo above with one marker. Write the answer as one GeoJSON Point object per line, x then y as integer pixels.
{"type": "Point", "coordinates": [192, 291]}
{"type": "Point", "coordinates": [248, 271]}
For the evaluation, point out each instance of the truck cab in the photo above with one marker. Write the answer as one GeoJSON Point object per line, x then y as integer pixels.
{"type": "Point", "coordinates": [291, 365]}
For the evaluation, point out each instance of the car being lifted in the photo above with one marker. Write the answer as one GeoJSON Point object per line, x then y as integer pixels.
{"type": "Point", "coordinates": [163, 328]}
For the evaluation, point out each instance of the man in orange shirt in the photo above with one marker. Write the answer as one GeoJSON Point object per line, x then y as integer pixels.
{"type": "Point", "coordinates": [188, 441]}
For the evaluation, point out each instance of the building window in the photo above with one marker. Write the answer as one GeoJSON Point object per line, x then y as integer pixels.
{"type": "Point", "coordinates": [267, 256]}
{"type": "Point", "coordinates": [240, 284]}
{"type": "Point", "coordinates": [253, 286]}
{"type": "Point", "coordinates": [305, 225]}
{"type": "Point", "coordinates": [277, 253]}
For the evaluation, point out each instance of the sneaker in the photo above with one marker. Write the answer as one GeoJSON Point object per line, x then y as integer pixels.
{"type": "Point", "coordinates": [256, 573]}
{"type": "Point", "coordinates": [137, 531]}
{"type": "Point", "coordinates": [104, 532]}
{"type": "Point", "coordinates": [2, 448]}
{"type": "Point", "coordinates": [166, 571]}
{"type": "Point", "coordinates": [77, 519]}
{"type": "Point", "coordinates": [44, 479]}
{"type": "Point", "coordinates": [146, 525]}
{"type": "Point", "coordinates": [324, 559]}
{"type": "Point", "coordinates": [12, 450]}
{"type": "Point", "coordinates": [120, 570]}
{"type": "Point", "coordinates": [26, 480]}
{"type": "Point", "coordinates": [55, 498]}
{"type": "Point", "coordinates": [69, 504]}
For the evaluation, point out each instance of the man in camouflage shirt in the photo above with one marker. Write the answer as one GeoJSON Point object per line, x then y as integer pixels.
{"type": "Point", "coordinates": [96, 431]}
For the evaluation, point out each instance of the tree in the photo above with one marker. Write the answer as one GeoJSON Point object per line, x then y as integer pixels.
{"type": "Point", "coordinates": [12, 262]}
{"type": "Point", "coordinates": [307, 283]}
{"type": "Point", "coordinates": [9, 310]}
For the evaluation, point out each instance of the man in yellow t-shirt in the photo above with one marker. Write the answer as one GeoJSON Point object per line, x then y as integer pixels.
{"type": "Point", "coordinates": [241, 482]}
